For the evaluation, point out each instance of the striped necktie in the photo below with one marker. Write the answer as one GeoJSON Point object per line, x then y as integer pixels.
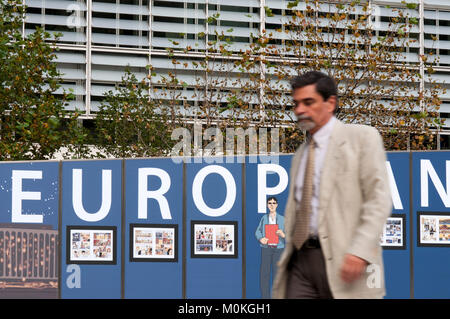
{"type": "Point", "coordinates": [304, 210]}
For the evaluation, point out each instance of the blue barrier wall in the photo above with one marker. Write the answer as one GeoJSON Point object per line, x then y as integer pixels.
{"type": "Point", "coordinates": [29, 254]}
{"type": "Point", "coordinates": [97, 280]}
{"type": "Point", "coordinates": [397, 261]}
{"type": "Point", "coordinates": [208, 277]}
{"type": "Point", "coordinates": [431, 264]}
{"type": "Point", "coordinates": [40, 178]}
{"type": "Point", "coordinates": [154, 278]}
{"type": "Point", "coordinates": [253, 217]}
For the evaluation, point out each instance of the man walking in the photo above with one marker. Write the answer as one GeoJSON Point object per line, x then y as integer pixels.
{"type": "Point", "coordinates": [339, 200]}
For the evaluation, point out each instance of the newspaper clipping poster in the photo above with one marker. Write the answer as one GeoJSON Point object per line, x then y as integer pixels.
{"type": "Point", "coordinates": [214, 239]}
{"type": "Point", "coordinates": [152, 242]}
{"type": "Point", "coordinates": [393, 235]}
{"type": "Point", "coordinates": [90, 245]}
{"type": "Point", "coordinates": [434, 229]}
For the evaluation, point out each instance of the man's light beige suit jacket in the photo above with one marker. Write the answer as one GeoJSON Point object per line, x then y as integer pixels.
{"type": "Point", "coordinates": [354, 203]}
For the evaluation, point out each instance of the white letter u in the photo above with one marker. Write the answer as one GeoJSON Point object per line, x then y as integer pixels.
{"type": "Point", "coordinates": [77, 196]}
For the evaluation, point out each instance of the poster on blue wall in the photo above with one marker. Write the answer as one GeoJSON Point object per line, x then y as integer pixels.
{"type": "Point", "coordinates": [29, 229]}
{"type": "Point", "coordinates": [214, 194]}
{"type": "Point", "coordinates": [153, 242]}
{"type": "Point", "coordinates": [153, 228]}
{"type": "Point", "coordinates": [433, 229]}
{"type": "Point", "coordinates": [431, 215]}
{"type": "Point", "coordinates": [267, 183]}
{"type": "Point", "coordinates": [395, 239]}
{"type": "Point", "coordinates": [91, 245]}
{"type": "Point", "coordinates": [91, 223]}
{"type": "Point", "coordinates": [214, 239]}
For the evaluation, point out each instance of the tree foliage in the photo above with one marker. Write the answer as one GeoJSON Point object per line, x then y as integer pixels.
{"type": "Point", "coordinates": [378, 74]}
{"type": "Point", "coordinates": [130, 123]}
{"type": "Point", "coordinates": [379, 81]}
{"type": "Point", "coordinates": [34, 124]}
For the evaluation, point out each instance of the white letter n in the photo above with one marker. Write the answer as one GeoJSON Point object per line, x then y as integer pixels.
{"type": "Point", "coordinates": [426, 168]}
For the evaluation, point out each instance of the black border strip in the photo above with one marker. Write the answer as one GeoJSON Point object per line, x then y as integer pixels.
{"type": "Point", "coordinates": [175, 247]}
{"type": "Point", "coordinates": [209, 222]}
{"type": "Point", "coordinates": [60, 231]}
{"type": "Point", "coordinates": [403, 246]}
{"type": "Point", "coordinates": [81, 262]}
{"type": "Point", "coordinates": [123, 228]}
{"type": "Point", "coordinates": [244, 234]}
{"type": "Point", "coordinates": [183, 237]}
{"type": "Point", "coordinates": [419, 214]}
{"type": "Point", "coordinates": [411, 229]}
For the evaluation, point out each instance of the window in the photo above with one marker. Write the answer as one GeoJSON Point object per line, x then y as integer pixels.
{"type": "Point", "coordinates": [128, 17]}
{"type": "Point", "coordinates": [103, 15]}
{"type": "Point", "coordinates": [34, 10]}
{"type": "Point", "coordinates": [129, 32]}
{"type": "Point", "coordinates": [168, 19]}
{"type": "Point", "coordinates": [233, 9]}
{"type": "Point", "coordinates": [273, 26]}
{"type": "Point", "coordinates": [103, 30]}
{"type": "Point", "coordinates": [58, 12]}
{"type": "Point", "coordinates": [235, 24]}
{"type": "Point", "coordinates": [168, 4]}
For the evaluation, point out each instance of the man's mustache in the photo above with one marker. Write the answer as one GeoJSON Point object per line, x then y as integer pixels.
{"type": "Point", "coordinates": [303, 117]}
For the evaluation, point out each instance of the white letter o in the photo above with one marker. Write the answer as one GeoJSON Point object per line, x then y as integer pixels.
{"type": "Point", "coordinates": [230, 191]}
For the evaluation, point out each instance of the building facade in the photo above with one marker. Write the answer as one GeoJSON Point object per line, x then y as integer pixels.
{"type": "Point", "coordinates": [100, 38]}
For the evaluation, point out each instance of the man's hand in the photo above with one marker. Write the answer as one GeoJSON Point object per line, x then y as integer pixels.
{"type": "Point", "coordinates": [352, 268]}
{"type": "Point", "coordinates": [264, 240]}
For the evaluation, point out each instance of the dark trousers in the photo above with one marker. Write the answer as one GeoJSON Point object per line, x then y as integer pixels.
{"type": "Point", "coordinates": [307, 278]}
{"type": "Point", "coordinates": [269, 259]}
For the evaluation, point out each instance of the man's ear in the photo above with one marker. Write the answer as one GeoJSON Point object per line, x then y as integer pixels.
{"type": "Point", "coordinates": [332, 103]}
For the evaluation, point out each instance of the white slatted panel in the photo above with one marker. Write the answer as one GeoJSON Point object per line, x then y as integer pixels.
{"type": "Point", "coordinates": [121, 8]}
{"type": "Point", "coordinates": [55, 4]}
{"type": "Point", "coordinates": [134, 33]}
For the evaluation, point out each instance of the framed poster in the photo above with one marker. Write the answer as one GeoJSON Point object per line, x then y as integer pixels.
{"type": "Point", "coordinates": [214, 239]}
{"type": "Point", "coordinates": [153, 242]}
{"type": "Point", "coordinates": [91, 245]}
{"type": "Point", "coordinates": [433, 229]}
{"type": "Point", "coordinates": [394, 232]}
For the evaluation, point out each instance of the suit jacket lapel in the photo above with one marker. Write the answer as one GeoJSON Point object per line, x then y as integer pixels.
{"type": "Point", "coordinates": [295, 167]}
{"type": "Point", "coordinates": [331, 165]}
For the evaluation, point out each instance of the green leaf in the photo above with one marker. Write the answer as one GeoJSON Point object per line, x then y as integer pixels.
{"type": "Point", "coordinates": [268, 11]}
{"type": "Point", "coordinates": [412, 6]}
{"type": "Point", "coordinates": [290, 5]}
{"type": "Point", "coordinates": [413, 21]}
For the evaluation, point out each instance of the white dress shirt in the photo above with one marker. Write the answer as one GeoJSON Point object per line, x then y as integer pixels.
{"type": "Point", "coordinates": [272, 221]}
{"type": "Point", "coordinates": [321, 137]}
